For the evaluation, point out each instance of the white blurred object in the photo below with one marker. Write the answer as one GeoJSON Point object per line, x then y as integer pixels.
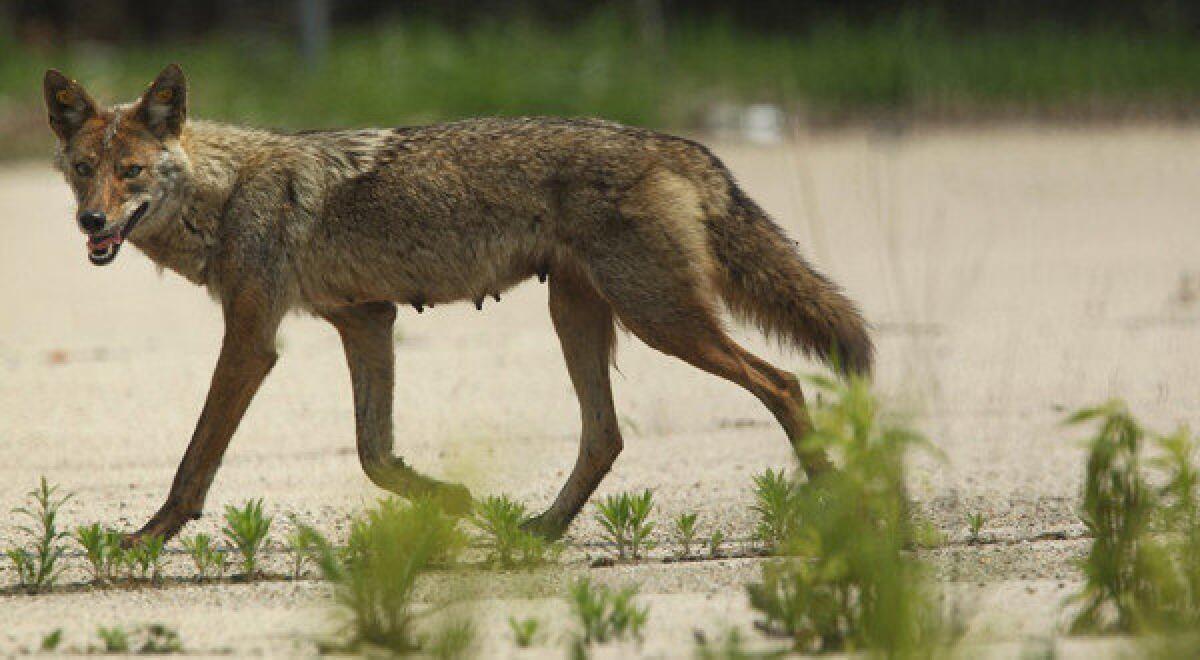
{"type": "Point", "coordinates": [763, 124]}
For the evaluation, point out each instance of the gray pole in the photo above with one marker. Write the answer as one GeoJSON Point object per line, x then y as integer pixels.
{"type": "Point", "coordinates": [314, 30]}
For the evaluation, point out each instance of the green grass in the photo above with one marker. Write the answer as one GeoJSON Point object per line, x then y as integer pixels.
{"type": "Point", "coordinates": [498, 518]}
{"type": "Point", "coordinates": [38, 569]}
{"type": "Point", "coordinates": [102, 547]}
{"type": "Point", "coordinates": [603, 614]}
{"type": "Point", "coordinates": [975, 521]}
{"type": "Point", "coordinates": [775, 502]}
{"type": "Point", "coordinates": [114, 639]}
{"type": "Point", "coordinates": [399, 73]}
{"type": "Point", "coordinates": [524, 631]}
{"type": "Point", "coordinates": [1142, 573]}
{"type": "Point", "coordinates": [624, 518]}
{"type": "Point", "coordinates": [303, 544]}
{"type": "Point", "coordinates": [390, 547]}
{"type": "Point", "coordinates": [846, 580]}
{"type": "Point", "coordinates": [685, 533]}
{"type": "Point", "coordinates": [145, 557]}
{"type": "Point", "coordinates": [246, 529]}
{"type": "Point", "coordinates": [208, 559]}
{"type": "Point", "coordinates": [149, 639]}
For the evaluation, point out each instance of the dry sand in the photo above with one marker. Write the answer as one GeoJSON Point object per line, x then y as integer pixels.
{"type": "Point", "coordinates": [1010, 274]}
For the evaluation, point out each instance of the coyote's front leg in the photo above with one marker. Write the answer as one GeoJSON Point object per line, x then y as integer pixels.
{"type": "Point", "coordinates": [247, 355]}
{"type": "Point", "coordinates": [366, 332]}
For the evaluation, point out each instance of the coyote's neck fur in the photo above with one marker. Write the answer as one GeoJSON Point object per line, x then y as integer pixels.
{"type": "Point", "coordinates": [214, 160]}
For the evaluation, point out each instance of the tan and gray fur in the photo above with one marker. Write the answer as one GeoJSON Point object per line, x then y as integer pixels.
{"type": "Point", "coordinates": [629, 226]}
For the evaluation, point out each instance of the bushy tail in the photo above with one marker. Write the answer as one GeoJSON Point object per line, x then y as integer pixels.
{"type": "Point", "coordinates": [765, 280]}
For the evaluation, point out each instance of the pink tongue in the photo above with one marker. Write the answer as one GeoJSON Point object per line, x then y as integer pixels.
{"type": "Point", "coordinates": [105, 242]}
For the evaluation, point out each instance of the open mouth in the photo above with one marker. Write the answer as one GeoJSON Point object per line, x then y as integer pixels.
{"type": "Point", "coordinates": [103, 247]}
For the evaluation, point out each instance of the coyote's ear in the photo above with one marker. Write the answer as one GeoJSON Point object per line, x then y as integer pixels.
{"type": "Point", "coordinates": [163, 108]}
{"type": "Point", "coordinates": [68, 105]}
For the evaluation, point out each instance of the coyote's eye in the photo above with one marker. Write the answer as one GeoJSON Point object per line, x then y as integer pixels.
{"type": "Point", "coordinates": [83, 169]}
{"type": "Point", "coordinates": [131, 171]}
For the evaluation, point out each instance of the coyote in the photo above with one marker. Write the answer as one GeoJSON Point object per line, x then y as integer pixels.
{"type": "Point", "coordinates": [628, 225]}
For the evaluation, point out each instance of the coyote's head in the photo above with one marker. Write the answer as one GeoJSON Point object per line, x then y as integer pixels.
{"type": "Point", "coordinates": [124, 163]}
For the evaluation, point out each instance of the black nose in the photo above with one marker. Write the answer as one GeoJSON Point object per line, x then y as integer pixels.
{"type": "Point", "coordinates": [91, 220]}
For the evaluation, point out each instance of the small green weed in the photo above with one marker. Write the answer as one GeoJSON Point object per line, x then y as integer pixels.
{"type": "Point", "coordinates": [975, 522]}
{"type": "Point", "coordinates": [731, 647]}
{"type": "Point", "coordinates": [685, 533]}
{"type": "Point", "coordinates": [624, 518]}
{"type": "Point", "coordinates": [115, 639]}
{"type": "Point", "coordinates": [848, 582]}
{"type": "Point", "coordinates": [1142, 573]}
{"type": "Point", "coordinates": [38, 570]}
{"type": "Point", "coordinates": [499, 518]}
{"type": "Point", "coordinates": [715, 541]}
{"type": "Point", "coordinates": [303, 544]}
{"type": "Point", "coordinates": [604, 614]}
{"type": "Point", "coordinates": [524, 631]}
{"type": "Point", "coordinates": [146, 557]}
{"type": "Point", "coordinates": [102, 547]}
{"type": "Point", "coordinates": [204, 553]}
{"type": "Point", "coordinates": [154, 638]}
{"type": "Point", "coordinates": [247, 528]}
{"type": "Point", "coordinates": [454, 639]}
{"type": "Point", "coordinates": [51, 640]}
{"type": "Point", "coordinates": [390, 546]}
{"type": "Point", "coordinates": [775, 503]}
{"type": "Point", "coordinates": [160, 640]}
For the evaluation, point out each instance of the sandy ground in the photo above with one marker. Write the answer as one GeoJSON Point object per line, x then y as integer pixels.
{"type": "Point", "coordinates": [1010, 275]}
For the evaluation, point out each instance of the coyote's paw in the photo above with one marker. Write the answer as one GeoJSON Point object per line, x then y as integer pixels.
{"type": "Point", "coordinates": [164, 525]}
{"type": "Point", "coordinates": [546, 526]}
{"type": "Point", "coordinates": [455, 499]}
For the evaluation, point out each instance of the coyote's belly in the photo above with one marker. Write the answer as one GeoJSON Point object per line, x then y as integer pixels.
{"type": "Point", "coordinates": [421, 259]}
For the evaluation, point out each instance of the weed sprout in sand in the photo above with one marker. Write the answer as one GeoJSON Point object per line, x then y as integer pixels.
{"type": "Point", "coordinates": [845, 579]}
{"type": "Point", "coordinates": [38, 569]}
{"type": "Point", "coordinates": [1142, 573]}
{"type": "Point", "coordinates": [375, 576]}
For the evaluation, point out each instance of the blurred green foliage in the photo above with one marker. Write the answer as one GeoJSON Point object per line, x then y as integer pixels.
{"type": "Point", "coordinates": [418, 71]}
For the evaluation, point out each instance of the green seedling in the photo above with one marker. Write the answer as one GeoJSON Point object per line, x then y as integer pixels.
{"type": "Point", "coordinates": [847, 581]}
{"type": "Point", "coordinates": [453, 640]}
{"type": "Point", "coordinates": [1142, 573]}
{"type": "Point", "coordinates": [207, 558]}
{"type": "Point", "coordinates": [146, 557]}
{"type": "Point", "coordinates": [775, 504]}
{"type": "Point", "coordinates": [524, 631]}
{"type": "Point", "coordinates": [304, 545]}
{"type": "Point", "coordinates": [102, 547]}
{"type": "Point", "coordinates": [715, 541]}
{"type": "Point", "coordinates": [685, 533]}
{"type": "Point", "coordinates": [38, 569]}
{"type": "Point", "coordinates": [731, 647]}
{"type": "Point", "coordinates": [975, 522]}
{"type": "Point", "coordinates": [391, 546]}
{"type": "Point", "coordinates": [115, 639]}
{"type": "Point", "coordinates": [24, 566]}
{"type": "Point", "coordinates": [160, 640]}
{"type": "Point", "coordinates": [247, 528]}
{"type": "Point", "coordinates": [604, 614]}
{"type": "Point", "coordinates": [155, 638]}
{"type": "Point", "coordinates": [499, 518]}
{"type": "Point", "coordinates": [51, 640]}
{"type": "Point", "coordinates": [624, 517]}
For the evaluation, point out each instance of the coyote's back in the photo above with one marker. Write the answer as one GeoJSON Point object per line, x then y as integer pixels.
{"type": "Point", "coordinates": [465, 210]}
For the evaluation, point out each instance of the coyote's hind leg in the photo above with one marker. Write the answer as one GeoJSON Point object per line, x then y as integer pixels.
{"type": "Point", "coordinates": [707, 347]}
{"type": "Point", "coordinates": [366, 332]}
{"type": "Point", "coordinates": [584, 323]}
